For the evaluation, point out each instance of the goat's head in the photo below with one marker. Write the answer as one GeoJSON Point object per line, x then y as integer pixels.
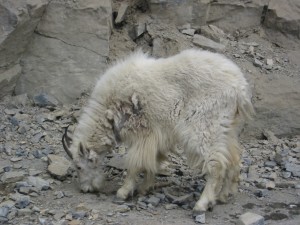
{"type": "Point", "coordinates": [87, 162]}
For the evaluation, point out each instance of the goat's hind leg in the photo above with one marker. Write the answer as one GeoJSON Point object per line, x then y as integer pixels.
{"type": "Point", "coordinates": [230, 184]}
{"type": "Point", "coordinates": [232, 175]}
{"type": "Point", "coordinates": [129, 184]}
{"type": "Point", "coordinates": [215, 176]}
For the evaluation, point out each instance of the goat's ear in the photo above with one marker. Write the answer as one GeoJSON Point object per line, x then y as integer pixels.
{"type": "Point", "coordinates": [135, 103]}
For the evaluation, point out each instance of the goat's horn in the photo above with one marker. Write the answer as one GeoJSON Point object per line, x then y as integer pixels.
{"type": "Point", "coordinates": [66, 141]}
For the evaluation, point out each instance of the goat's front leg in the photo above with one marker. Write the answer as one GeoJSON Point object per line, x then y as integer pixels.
{"type": "Point", "coordinates": [129, 184]}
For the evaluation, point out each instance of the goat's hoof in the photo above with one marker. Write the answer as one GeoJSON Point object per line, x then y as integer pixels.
{"type": "Point", "coordinates": [122, 194]}
{"type": "Point", "coordinates": [223, 199]}
{"type": "Point", "coordinates": [199, 208]}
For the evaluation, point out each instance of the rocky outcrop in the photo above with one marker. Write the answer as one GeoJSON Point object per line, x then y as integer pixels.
{"type": "Point", "coordinates": [223, 13]}
{"type": "Point", "coordinates": [18, 20]}
{"type": "Point", "coordinates": [68, 50]}
{"type": "Point", "coordinates": [231, 15]}
{"type": "Point", "coordinates": [284, 17]}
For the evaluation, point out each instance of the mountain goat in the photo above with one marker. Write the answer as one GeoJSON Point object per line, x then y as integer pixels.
{"type": "Point", "coordinates": [196, 98]}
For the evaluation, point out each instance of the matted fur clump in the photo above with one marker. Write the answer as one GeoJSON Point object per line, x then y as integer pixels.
{"type": "Point", "coordinates": [196, 98]}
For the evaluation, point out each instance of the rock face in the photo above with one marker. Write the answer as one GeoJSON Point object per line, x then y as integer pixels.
{"type": "Point", "coordinates": [222, 13]}
{"type": "Point", "coordinates": [243, 14]}
{"type": "Point", "coordinates": [18, 20]}
{"type": "Point", "coordinates": [284, 17]}
{"type": "Point", "coordinates": [180, 12]}
{"type": "Point", "coordinates": [68, 50]}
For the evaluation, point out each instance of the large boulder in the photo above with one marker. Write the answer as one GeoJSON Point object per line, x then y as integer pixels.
{"type": "Point", "coordinates": [278, 106]}
{"type": "Point", "coordinates": [180, 12]}
{"type": "Point", "coordinates": [18, 19]}
{"type": "Point", "coordinates": [229, 15]}
{"type": "Point", "coordinates": [68, 50]}
{"type": "Point", "coordinates": [284, 16]}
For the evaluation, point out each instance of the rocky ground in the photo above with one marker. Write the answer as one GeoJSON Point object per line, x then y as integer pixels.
{"type": "Point", "coordinates": [38, 183]}
{"type": "Point", "coordinates": [38, 186]}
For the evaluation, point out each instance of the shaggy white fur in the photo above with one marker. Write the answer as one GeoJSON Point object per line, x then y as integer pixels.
{"type": "Point", "coordinates": [196, 98]}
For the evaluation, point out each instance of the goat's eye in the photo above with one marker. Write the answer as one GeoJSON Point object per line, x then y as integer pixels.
{"type": "Point", "coordinates": [91, 160]}
{"type": "Point", "coordinates": [79, 167]}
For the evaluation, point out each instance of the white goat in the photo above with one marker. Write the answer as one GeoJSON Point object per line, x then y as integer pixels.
{"type": "Point", "coordinates": [196, 98]}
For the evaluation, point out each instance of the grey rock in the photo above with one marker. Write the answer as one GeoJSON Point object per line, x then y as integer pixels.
{"type": "Point", "coordinates": [44, 221]}
{"type": "Point", "coordinates": [270, 136]}
{"type": "Point", "coordinates": [12, 214]}
{"type": "Point", "coordinates": [122, 208]}
{"type": "Point", "coordinates": [286, 174]}
{"type": "Point", "coordinates": [59, 56]}
{"type": "Point", "coordinates": [253, 174]}
{"type": "Point", "coordinates": [7, 203]}
{"type": "Point", "coordinates": [283, 17]}
{"type": "Point", "coordinates": [39, 183]}
{"type": "Point", "coordinates": [4, 168]}
{"type": "Point", "coordinates": [214, 33]}
{"type": "Point", "coordinates": [171, 206]}
{"type": "Point", "coordinates": [18, 21]}
{"type": "Point", "coordinates": [206, 43]}
{"type": "Point", "coordinates": [59, 167]}
{"type": "Point", "coordinates": [37, 137]}
{"type": "Point", "coordinates": [11, 177]}
{"type": "Point", "coordinates": [4, 210]}
{"type": "Point", "coordinates": [121, 12]}
{"type": "Point", "coordinates": [153, 201]}
{"type": "Point", "coordinates": [3, 220]}
{"type": "Point", "coordinates": [142, 205]}
{"type": "Point", "coordinates": [160, 196]}
{"type": "Point", "coordinates": [20, 184]}
{"type": "Point", "coordinates": [11, 112]}
{"type": "Point", "coordinates": [16, 159]}
{"type": "Point", "coordinates": [257, 63]}
{"type": "Point", "coordinates": [180, 12]}
{"type": "Point", "coordinates": [137, 30]}
{"type": "Point", "coordinates": [251, 219]}
{"type": "Point", "coordinates": [270, 164]}
{"type": "Point", "coordinates": [79, 215]}
{"type": "Point", "coordinates": [261, 192]}
{"type": "Point", "coordinates": [270, 185]}
{"type": "Point", "coordinates": [200, 218]}
{"type": "Point", "coordinates": [181, 200]}
{"type": "Point", "coordinates": [245, 15]}
{"type": "Point", "coordinates": [44, 99]}
{"type": "Point", "coordinates": [259, 56]}
{"type": "Point", "coordinates": [20, 100]}
{"type": "Point", "coordinates": [118, 201]}
{"type": "Point", "coordinates": [281, 157]}
{"type": "Point", "coordinates": [24, 190]}
{"type": "Point", "coordinates": [293, 168]}
{"type": "Point", "coordinates": [270, 62]}
{"type": "Point", "coordinates": [24, 212]}
{"type": "Point", "coordinates": [22, 202]}
{"type": "Point", "coordinates": [117, 162]}
{"type": "Point", "coordinates": [34, 172]}
{"type": "Point", "coordinates": [189, 32]}
{"type": "Point", "coordinates": [59, 194]}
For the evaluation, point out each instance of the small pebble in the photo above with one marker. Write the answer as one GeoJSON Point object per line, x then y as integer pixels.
{"type": "Point", "coordinates": [200, 218]}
